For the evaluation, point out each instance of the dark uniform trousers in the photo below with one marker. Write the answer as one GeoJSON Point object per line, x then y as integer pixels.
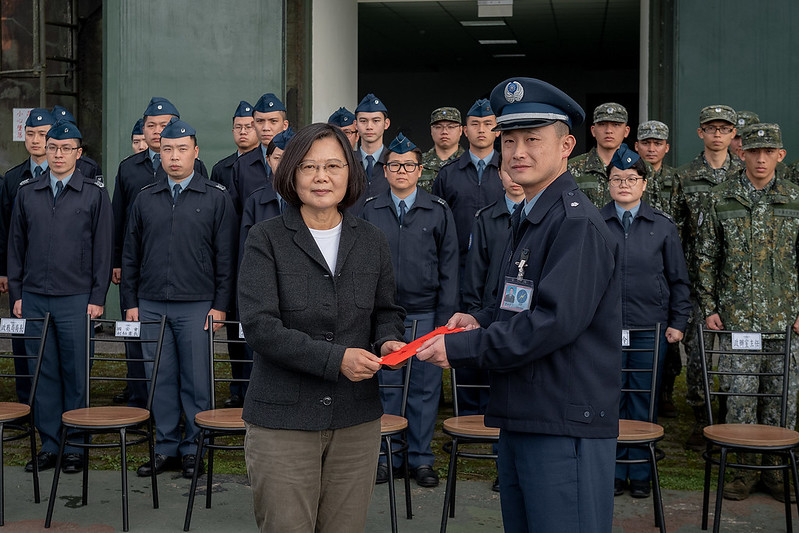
{"type": "Point", "coordinates": [555, 369]}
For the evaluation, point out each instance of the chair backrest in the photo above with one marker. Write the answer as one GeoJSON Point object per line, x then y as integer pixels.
{"type": "Point", "coordinates": [769, 348]}
{"type": "Point", "coordinates": [110, 363]}
{"type": "Point", "coordinates": [215, 340]}
{"type": "Point", "coordinates": [25, 329]}
{"type": "Point", "coordinates": [406, 378]}
{"type": "Point", "coordinates": [652, 369]}
{"type": "Point", "coordinates": [457, 385]}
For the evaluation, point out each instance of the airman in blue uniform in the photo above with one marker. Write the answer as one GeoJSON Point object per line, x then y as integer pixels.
{"type": "Point", "coordinates": [372, 121]}
{"type": "Point", "coordinates": [554, 354]}
{"type": "Point", "coordinates": [245, 138]}
{"type": "Point", "coordinates": [87, 166]}
{"type": "Point", "coordinates": [137, 142]}
{"type": "Point", "coordinates": [59, 261]}
{"type": "Point", "coordinates": [424, 252]}
{"type": "Point", "coordinates": [345, 119]}
{"type": "Point", "coordinates": [179, 260]}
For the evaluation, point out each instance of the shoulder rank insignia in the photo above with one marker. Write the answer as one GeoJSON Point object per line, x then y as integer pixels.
{"type": "Point", "coordinates": [218, 186]}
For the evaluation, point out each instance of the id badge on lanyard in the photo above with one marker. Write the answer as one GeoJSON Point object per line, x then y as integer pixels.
{"type": "Point", "coordinates": [517, 293]}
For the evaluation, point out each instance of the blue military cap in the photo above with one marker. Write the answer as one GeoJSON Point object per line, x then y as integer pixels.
{"type": "Point", "coordinates": [401, 145]}
{"type": "Point", "coordinates": [244, 110]}
{"type": "Point", "coordinates": [63, 130]}
{"type": "Point", "coordinates": [160, 106]}
{"type": "Point", "coordinates": [177, 129]}
{"type": "Point", "coordinates": [283, 138]}
{"type": "Point", "coordinates": [624, 158]}
{"type": "Point", "coordinates": [40, 117]}
{"type": "Point", "coordinates": [62, 113]}
{"type": "Point", "coordinates": [530, 103]}
{"type": "Point", "coordinates": [268, 103]}
{"type": "Point", "coordinates": [371, 104]}
{"type": "Point", "coordinates": [138, 128]}
{"type": "Point", "coordinates": [342, 117]}
{"type": "Point", "coordinates": [481, 108]}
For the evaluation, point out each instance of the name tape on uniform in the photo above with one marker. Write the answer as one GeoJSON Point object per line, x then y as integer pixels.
{"type": "Point", "coordinates": [127, 328]}
{"type": "Point", "coordinates": [241, 332]}
{"type": "Point", "coordinates": [747, 341]}
{"type": "Point", "coordinates": [12, 325]}
{"type": "Point", "coordinates": [625, 338]}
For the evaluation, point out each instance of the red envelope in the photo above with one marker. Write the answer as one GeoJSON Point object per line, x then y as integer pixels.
{"type": "Point", "coordinates": [409, 350]}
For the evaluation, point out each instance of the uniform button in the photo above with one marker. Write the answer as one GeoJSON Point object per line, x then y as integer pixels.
{"type": "Point", "coordinates": [602, 414]}
{"type": "Point", "coordinates": [586, 414]}
{"type": "Point", "coordinates": [327, 400]}
{"type": "Point", "coordinates": [571, 194]}
{"type": "Point", "coordinates": [329, 336]}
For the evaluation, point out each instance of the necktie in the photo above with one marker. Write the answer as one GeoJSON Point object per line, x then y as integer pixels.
{"type": "Point", "coordinates": [626, 221]}
{"type": "Point", "coordinates": [402, 210]}
{"type": "Point", "coordinates": [516, 219]}
{"type": "Point", "coordinates": [481, 166]}
{"type": "Point", "coordinates": [59, 186]}
{"type": "Point", "coordinates": [175, 193]}
{"type": "Point", "coordinates": [156, 162]}
{"type": "Point", "coordinates": [370, 165]}
{"type": "Point", "coordinates": [37, 171]}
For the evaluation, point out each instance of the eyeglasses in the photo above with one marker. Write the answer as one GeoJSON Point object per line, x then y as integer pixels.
{"type": "Point", "coordinates": [616, 182]}
{"type": "Point", "coordinates": [66, 150]}
{"type": "Point", "coordinates": [239, 128]}
{"type": "Point", "coordinates": [721, 129]}
{"type": "Point", "coordinates": [448, 127]}
{"type": "Point", "coordinates": [331, 167]}
{"type": "Point", "coordinates": [407, 167]}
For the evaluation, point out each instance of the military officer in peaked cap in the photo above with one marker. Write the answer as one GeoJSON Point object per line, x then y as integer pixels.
{"type": "Point", "coordinates": [179, 260]}
{"type": "Point", "coordinates": [59, 261]}
{"type": "Point", "coordinates": [345, 119]}
{"type": "Point", "coordinates": [554, 352]}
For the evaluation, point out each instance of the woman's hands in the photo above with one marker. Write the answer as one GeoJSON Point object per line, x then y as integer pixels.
{"type": "Point", "coordinates": [359, 364]}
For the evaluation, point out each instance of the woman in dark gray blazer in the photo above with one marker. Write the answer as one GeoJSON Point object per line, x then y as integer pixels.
{"type": "Point", "coordinates": [316, 301]}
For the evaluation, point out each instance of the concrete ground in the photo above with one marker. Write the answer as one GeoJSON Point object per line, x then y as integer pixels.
{"type": "Point", "coordinates": [478, 508]}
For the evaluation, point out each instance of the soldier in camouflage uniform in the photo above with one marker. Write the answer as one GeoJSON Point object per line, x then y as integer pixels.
{"type": "Point", "coordinates": [747, 281]}
{"type": "Point", "coordinates": [446, 130]}
{"type": "Point", "coordinates": [742, 120]}
{"type": "Point", "coordinates": [689, 193]}
{"type": "Point", "coordinates": [653, 145]}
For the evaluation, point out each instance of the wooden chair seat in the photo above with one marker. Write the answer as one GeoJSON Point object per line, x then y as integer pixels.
{"type": "Point", "coordinates": [638, 430]}
{"type": "Point", "coordinates": [13, 411]}
{"type": "Point", "coordinates": [469, 426]}
{"type": "Point", "coordinates": [392, 423]}
{"type": "Point", "coordinates": [752, 435]}
{"type": "Point", "coordinates": [228, 418]}
{"type": "Point", "coordinates": [111, 415]}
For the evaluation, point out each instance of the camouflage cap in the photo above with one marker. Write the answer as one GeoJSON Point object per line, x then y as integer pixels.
{"type": "Point", "coordinates": [445, 113]}
{"type": "Point", "coordinates": [610, 112]}
{"type": "Point", "coordinates": [744, 119]}
{"type": "Point", "coordinates": [761, 136]}
{"type": "Point", "coordinates": [653, 129]}
{"type": "Point", "coordinates": [718, 112]}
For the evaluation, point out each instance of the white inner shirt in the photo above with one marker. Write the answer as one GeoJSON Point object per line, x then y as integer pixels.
{"type": "Point", "coordinates": [327, 240]}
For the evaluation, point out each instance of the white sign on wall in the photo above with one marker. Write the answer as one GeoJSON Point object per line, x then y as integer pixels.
{"type": "Point", "coordinates": [20, 116]}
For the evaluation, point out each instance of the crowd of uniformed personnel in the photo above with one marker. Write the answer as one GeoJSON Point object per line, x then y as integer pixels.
{"type": "Point", "coordinates": [171, 234]}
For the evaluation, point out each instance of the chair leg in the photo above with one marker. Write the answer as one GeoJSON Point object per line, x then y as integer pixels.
{"type": "Point", "coordinates": [209, 480]}
{"type": "Point", "coordinates": [407, 477]}
{"type": "Point", "coordinates": [795, 475]}
{"type": "Point", "coordinates": [660, 520]}
{"type": "Point", "coordinates": [153, 475]}
{"type": "Point", "coordinates": [123, 452]}
{"type": "Point", "coordinates": [53, 490]}
{"type": "Point", "coordinates": [85, 473]}
{"type": "Point", "coordinates": [392, 497]}
{"type": "Point", "coordinates": [786, 486]}
{"type": "Point", "coordinates": [2, 486]}
{"type": "Point", "coordinates": [453, 454]}
{"type": "Point", "coordinates": [706, 488]}
{"type": "Point", "coordinates": [32, 428]}
{"type": "Point", "coordinates": [193, 488]}
{"type": "Point", "coordinates": [720, 490]}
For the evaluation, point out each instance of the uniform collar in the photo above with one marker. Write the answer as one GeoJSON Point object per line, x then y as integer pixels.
{"type": "Point", "coordinates": [466, 159]}
{"type": "Point", "coordinates": [270, 196]}
{"type": "Point", "coordinates": [551, 195]}
{"type": "Point", "coordinates": [75, 181]}
{"type": "Point", "coordinates": [409, 201]}
{"type": "Point", "coordinates": [33, 165]}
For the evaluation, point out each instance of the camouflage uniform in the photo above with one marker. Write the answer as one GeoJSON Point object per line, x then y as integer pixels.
{"type": "Point", "coordinates": [432, 164]}
{"type": "Point", "coordinates": [659, 187]}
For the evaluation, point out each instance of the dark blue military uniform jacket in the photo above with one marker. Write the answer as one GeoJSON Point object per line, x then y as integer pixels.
{"type": "Point", "coordinates": [185, 252]}
{"type": "Point", "coordinates": [261, 205]}
{"type": "Point", "coordinates": [223, 170]}
{"type": "Point", "coordinates": [135, 172]}
{"type": "Point", "coordinates": [375, 185]}
{"type": "Point", "coordinates": [457, 185]}
{"type": "Point", "coordinates": [424, 252]}
{"type": "Point", "coordinates": [653, 273]}
{"type": "Point", "coordinates": [490, 234]}
{"type": "Point", "coordinates": [250, 172]}
{"type": "Point", "coordinates": [555, 369]}
{"type": "Point", "coordinates": [62, 249]}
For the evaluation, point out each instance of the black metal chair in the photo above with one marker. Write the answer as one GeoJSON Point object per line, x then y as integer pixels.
{"type": "Point", "coordinates": [17, 417]}
{"type": "Point", "coordinates": [645, 434]}
{"type": "Point", "coordinates": [464, 430]}
{"type": "Point", "coordinates": [392, 434]}
{"type": "Point", "coordinates": [78, 425]}
{"type": "Point", "coordinates": [215, 423]}
{"type": "Point", "coordinates": [722, 438]}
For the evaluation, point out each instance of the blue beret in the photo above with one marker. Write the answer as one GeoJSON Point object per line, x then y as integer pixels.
{"type": "Point", "coordinates": [160, 106]}
{"type": "Point", "coordinates": [40, 117]}
{"type": "Point", "coordinates": [138, 128]}
{"type": "Point", "coordinates": [481, 108]}
{"type": "Point", "coordinates": [530, 103]}
{"type": "Point", "coordinates": [177, 129]}
{"type": "Point", "coordinates": [244, 110]}
{"type": "Point", "coordinates": [624, 158]}
{"type": "Point", "coordinates": [342, 117]}
{"type": "Point", "coordinates": [401, 145]}
{"type": "Point", "coordinates": [371, 104]}
{"type": "Point", "coordinates": [63, 130]}
{"type": "Point", "coordinates": [268, 103]}
{"type": "Point", "coordinates": [283, 138]}
{"type": "Point", "coordinates": [62, 113]}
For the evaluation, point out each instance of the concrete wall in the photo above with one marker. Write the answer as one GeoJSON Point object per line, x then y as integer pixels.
{"type": "Point", "coordinates": [334, 57]}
